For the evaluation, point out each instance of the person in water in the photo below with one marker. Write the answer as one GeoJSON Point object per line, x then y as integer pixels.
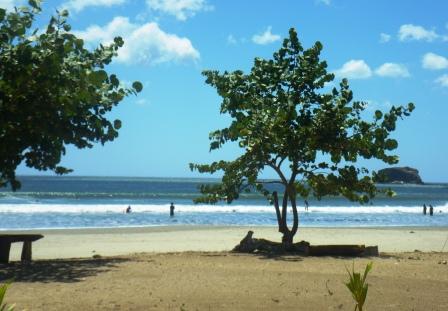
{"type": "Point", "coordinates": [128, 209]}
{"type": "Point", "coordinates": [431, 210]}
{"type": "Point", "coordinates": [172, 209]}
{"type": "Point", "coordinates": [424, 209]}
{"type": "Point", "coordinates": [306, 205]}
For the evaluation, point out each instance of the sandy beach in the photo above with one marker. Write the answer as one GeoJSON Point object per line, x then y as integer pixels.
{"type": "Point", "coordinates": [82, 243]}
{"type": "Point", "coordinates": [190, 268]}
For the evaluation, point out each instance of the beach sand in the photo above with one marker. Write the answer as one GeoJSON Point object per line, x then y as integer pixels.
{"type": "Point", "coordinates": [189, 268]}
{"type": "Point", "coordinates": [122, 241]}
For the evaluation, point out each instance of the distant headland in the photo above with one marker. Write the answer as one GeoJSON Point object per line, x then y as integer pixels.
{"type": "Point", "coordinates": [400, 175]}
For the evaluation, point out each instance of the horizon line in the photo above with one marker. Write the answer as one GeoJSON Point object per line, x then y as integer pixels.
{"type": "Point", "coordinates": [174, 177]}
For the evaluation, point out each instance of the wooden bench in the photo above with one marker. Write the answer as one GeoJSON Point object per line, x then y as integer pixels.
{"type": "Point", "coordinates": [7, 239]}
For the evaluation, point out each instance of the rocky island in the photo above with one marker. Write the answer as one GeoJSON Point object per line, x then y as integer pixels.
{"type": "Point", "coordinates": [405, 175]}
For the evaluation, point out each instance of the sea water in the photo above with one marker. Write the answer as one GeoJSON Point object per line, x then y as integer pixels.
{"type": "Point", "coordinates": [100, 202]}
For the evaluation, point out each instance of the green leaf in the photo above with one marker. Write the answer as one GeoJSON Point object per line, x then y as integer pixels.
{"type": "Point", "coordinates": [114, 80]}
{"type": "Point", "coordinates": [378, 114]}
{"type": "Point", "coordinates": [60, 170]}
{"type": "Point", "coordinates": [67, 27]}
{"type": "Point", "coordinates": [391, 144]}
{"type": "Point", "coordinates": [117, 124]}
{"type": "Point", "coordinates": [138, 87]}
{"type": "Point", "coordinates": [98, 77]}
{"type": "Point", "coordinates": [79, 43]}
{"type": "Point", "coordinates": [36, 4]}
{"type": "Point", "coordinates": [3, 289]}
{"type": "Point", "coordinates": [118, 41]}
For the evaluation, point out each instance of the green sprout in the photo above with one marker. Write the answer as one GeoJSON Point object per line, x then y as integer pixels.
{"type": "Point", "coordinates": [4, 306]}
{"type": "Point", "coordinates": [358, 286]}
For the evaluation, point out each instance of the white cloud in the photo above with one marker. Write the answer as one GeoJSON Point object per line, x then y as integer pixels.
{"type": "Point", "coordinates": [141, 16]}
{"type": "Point", "coordinates": [10, 4]}
{"type": "Point", "coordinates": [266, 37]}
{"type": "Point", "coordinates": [359, 69]}
{"type": "Point", "coordinates": [384, 37]}
{"type": "Point", "coordinates": [7, 4]}
{"type": "Point", "coordinates": [410, 32]}
{"type": "Point", "coordinates": [182, 9]}
{"type": "Point", "coordinates": [392, 70]}
{"type": "Point", "coordinates": [434, 62]}
{"type": "Point", "coordinates": [354, 69]}
{"type": "Point", "coordinates": [231, 40]}
{"type": "Point", "coordinates": [442, 80]}
{"type": "Point", "coordinates": [79, 5]}
{"type": "Point", "coordinates": [373, 105]}
{"type": "Point", "coordinates": [144, 44]}
{"type": "Point", "coordinates": [142, 102]}
{"type": "Point", "coordinates": [326, 2]}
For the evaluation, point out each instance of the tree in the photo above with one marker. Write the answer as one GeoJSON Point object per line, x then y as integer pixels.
{"type": "Point", "coordinates": [53, 92]}
{"type": "Point", "coordinates": [281, 117]}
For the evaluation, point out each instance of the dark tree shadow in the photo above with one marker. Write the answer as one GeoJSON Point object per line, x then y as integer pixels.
{"type": "Point", "coordinates": [65, 271]}
{"type": "Point", "coordinates": [288, 257]}
{"type": "Point", "coordinates": [291, 257]}
{"type": "Point", "coordinates": [215, 254]}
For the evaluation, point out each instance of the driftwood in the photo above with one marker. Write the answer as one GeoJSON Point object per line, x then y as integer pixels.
{"type": "Point", "coordinates": [343, 250]}
{"type": "Point", "coordinates": [249, 244]}
{"type": "Point", "coordinates": [337, 250]}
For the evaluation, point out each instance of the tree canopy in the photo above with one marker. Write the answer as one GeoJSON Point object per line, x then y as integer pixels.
{"type": "Point", "coordinates": [53, 92]}
{"type": "Point", "coordinates": [284, 119]}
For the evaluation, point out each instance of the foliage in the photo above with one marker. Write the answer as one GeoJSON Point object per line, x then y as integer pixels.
{"type": "Point", "coordinates": [358, 286]}
{"type": "Point", "coordinates": [4, 306]}
{"type": "Point", "coordinates": [281, 117]}
{"type": "Point", "coordinates": [53, 92]}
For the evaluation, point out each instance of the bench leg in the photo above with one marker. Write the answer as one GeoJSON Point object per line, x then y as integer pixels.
{"type": "Point", "coordinates": [5, 247]}
{"type": "Point", "coordinates": [26, 251]}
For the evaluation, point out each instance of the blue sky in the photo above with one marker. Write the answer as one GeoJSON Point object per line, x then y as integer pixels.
{"type": "Point", "coordinates": [393, 52]}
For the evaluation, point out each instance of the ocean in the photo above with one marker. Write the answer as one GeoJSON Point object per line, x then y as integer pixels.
{"type": "Point", "coordinates": [100, 202]}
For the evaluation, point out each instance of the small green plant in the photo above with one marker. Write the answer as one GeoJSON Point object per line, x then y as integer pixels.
{"type": "Point", "coordinates": [358, 286]}
{"type": "Point", "coordinates": [4, 306]}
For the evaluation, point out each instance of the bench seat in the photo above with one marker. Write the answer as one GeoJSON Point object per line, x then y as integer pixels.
{"type": "Point", "coordinates": [7, 239]}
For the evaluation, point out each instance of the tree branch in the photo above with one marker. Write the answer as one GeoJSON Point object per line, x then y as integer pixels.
{"type": "Point", "coordinates": [279, 172]}
{"type": "Point", "coordinates": [281, 161]}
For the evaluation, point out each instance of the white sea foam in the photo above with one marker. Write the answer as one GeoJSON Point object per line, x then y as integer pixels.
{"type": "Point", "coordinates": [185, 208]}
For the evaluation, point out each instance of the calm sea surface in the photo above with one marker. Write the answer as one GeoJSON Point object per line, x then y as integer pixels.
{"type": "Point", "coordinates": [97, 202]}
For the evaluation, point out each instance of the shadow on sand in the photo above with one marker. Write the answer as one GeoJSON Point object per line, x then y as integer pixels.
{"type": "Point", "coordinates": [280, 257]}
{"type": "Point", "coordinates": [65, 271]}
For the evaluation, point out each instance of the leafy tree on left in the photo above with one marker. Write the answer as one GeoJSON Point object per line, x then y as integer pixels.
{"type": "Point", "coordinates": [53, 92]}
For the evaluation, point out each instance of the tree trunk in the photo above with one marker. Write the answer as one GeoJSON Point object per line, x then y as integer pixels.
{"type": "Point", "coordinates": [277, 211]}
{"type": "Point", "coordinates": [295, 224]}
{"type": "Point", "coordinates": [288, 235]}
